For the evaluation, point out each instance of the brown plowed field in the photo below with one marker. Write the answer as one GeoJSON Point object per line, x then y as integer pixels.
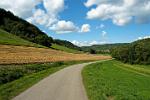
{"type": "Point", "coordinates": [20, 54]}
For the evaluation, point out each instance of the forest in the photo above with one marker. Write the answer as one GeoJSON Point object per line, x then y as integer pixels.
{"type": "Point", "coordinates": [137, 52]}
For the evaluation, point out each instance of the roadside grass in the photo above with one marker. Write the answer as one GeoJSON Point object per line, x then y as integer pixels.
{"type": "Point", "coordinates": [30, 75]}
{"type": "Point", "coordinates": [143, 66]}
{"type": "Point", "coordinates": [62, 48]}
{"type": "Point", "coordinates": [10, 39]}
{"type": "Point", "coordinates": [143, 69]}
{"type": "Point", "coordinates": [112, 80]}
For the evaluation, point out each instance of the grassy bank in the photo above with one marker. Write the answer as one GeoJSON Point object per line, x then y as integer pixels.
{"type": "Point", "coordinates": [112, 80]}
{"type": "Point", "coordinates": [10, 39]}
{"type": "Point", "coordinates": [17, 78]}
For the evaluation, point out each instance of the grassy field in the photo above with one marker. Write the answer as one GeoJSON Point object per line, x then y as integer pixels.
{"type": "Point", "coordinates": [10, 39]}
{"type": "Point", "coordinates": [16, 78]}
{"type": "Point", "coordinates": [113, 80]}
{"type": "Point", "coordinates": [62, 48]}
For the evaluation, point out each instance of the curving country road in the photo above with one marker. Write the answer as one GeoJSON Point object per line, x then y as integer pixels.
{"type": "Point", "coordinates": [65, 84]}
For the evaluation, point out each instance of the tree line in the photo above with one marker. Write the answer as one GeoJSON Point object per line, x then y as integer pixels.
{"type": "Point", "coordinates": [137, 52]}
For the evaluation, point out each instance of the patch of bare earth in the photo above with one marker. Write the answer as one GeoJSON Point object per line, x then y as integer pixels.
{"type": "Point", "coordinates": [20, 54]}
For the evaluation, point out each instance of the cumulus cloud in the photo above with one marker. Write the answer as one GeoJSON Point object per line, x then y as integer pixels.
{"type": "Point", "coordinates": [85, 28]}
{"type": "Point", "coordinates": [64, 27]}
{"type": "Point", "coordinates": [93, 43]}
{"type": "Point", "coordinates": [145, 37]}
{"type": "Point", "coordinates": [87, 43]}
{"type": "Point", "coordinates": [42, 18]}
{"type": "Point", "coordinates": [53, 6]}
{"type": "Point", "coordinates": [50, 16]}
{"type": "Point", "coordinates": [121, 12]}
{"type": "Point", "coordinates": [21, 8]}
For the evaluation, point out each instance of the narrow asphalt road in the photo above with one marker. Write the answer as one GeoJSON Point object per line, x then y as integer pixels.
{"type": "Point", "coordinates": [65, 84]}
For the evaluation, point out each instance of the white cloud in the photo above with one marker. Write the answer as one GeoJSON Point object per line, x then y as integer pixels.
{"type": "Point", "coordinates": [100, 27]}
{"type": "Point", "coordinates": [85, 28]}
{"type": "Point", "coordinates": [64, 27]}
{"type": "Point", "coordinates": [93, 43]}
{"type": "Point", "coordinates": [53, 6]}
{"type": "Point", "coordinates": [121, 12]}
{"type": "Point", "coordinates": [50, 16]}
{"type": "Point", "coordinates": [104, 33]}
{"type": "Point", "coordinates": [87, 43]}
{"type": "Point", "coordinates": [75, 42]}
{"type": "Point", "coordinates": [22, 8]}
{"type": "Point", "coordinates": [92, 2]}
{"type": "Point", "coordinates": [42, 18]}
{"type": "Point", "coordinates": [145, 37]}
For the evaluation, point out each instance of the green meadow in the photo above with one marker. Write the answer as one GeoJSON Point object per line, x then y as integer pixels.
{"type": "Point", "coordinates": [113, 80]}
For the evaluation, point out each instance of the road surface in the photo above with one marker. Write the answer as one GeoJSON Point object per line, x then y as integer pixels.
{"type": "Point", "coordinates": [65, 84]}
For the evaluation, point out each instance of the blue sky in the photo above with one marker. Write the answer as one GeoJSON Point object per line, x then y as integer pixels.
{"type": "Point", "coordinates": [87, 22]}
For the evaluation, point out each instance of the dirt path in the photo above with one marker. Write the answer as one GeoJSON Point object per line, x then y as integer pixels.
{"type": "Point", "coordinates": [62, 85]}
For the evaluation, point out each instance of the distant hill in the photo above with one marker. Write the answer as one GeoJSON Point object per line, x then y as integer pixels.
{"type": "Point", "coordinates": [104, 48]}
{"type": "Point", "coordinates": [11, 39]}
{"type": "Point", "coordinates": [137, 52]}
{"type": "Point", "coordinates": [21, 28]}
{"type": "Point", "coordinates": [66, 44]}
{"type": "Point", "coordinates": [63, 48]}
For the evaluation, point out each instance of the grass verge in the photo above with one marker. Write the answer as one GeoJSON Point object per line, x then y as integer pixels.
{"type": "Point", "coordinates": [34, 73]}
{"type": "Point", "coordinates": [112, 80]}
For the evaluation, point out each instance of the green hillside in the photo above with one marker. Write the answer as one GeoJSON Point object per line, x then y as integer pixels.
{"type": "Point", "coordinates": [104, 48]}
{"type": "Point", "coordinates": [63, 48]}
{"type": "Point", "coordinates": [67, 44]}
{"type": "Point", "coordinates": [10, 39]}
{"type": "Point", "coordinates": [137, 52]}
{"type": "Point", "coordinates": [23, 29]}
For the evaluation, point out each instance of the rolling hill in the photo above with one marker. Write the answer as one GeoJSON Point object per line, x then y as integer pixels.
{"type": "Point", "coordinates": [137, 52]}
{"type": "Point", "coordinates": [104, 48]}
{"type": "Point", "coordinates": [23, 29]}
{"type": "Point", "coordinates": [10, 39]}
{"type": "Point", "coordinates": [63, 48]}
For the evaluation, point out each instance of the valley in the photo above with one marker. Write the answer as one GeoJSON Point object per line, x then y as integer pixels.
{"type": "Point", "coordinates": [53, 59]}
